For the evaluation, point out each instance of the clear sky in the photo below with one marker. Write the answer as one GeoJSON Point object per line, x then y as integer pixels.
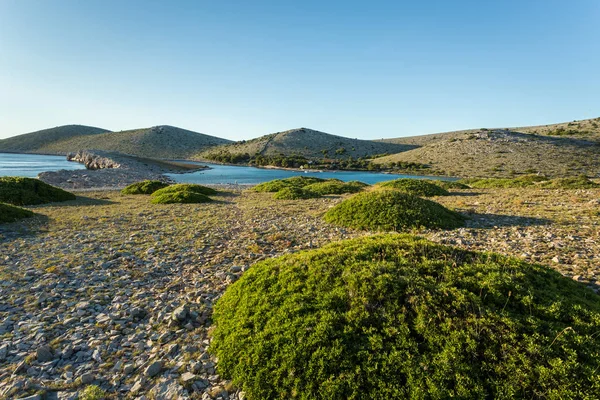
{"type": "Point", "coordinates": [241, 69]}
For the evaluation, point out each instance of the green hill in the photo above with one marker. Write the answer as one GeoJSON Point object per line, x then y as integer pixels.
{"type": "Point", "coordinates": [156, 142]}
{"type": "Point", "coordinates": [34, 141]}
{"type": "Point", "coordinates": [310, 144]}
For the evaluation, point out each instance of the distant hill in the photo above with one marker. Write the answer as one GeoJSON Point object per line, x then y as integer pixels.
{"type": "Point", "coordinates": [156, 142]}
{"type": "Point", "coordinates": [310, 144]}
{"type": "Point", "coordinates": [32, 142]}
{"type": "Point", "coordinates": [502, 153]}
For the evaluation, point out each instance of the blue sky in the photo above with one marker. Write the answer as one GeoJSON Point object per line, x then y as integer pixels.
{"type": "Point", "coordinates": [241, 69]}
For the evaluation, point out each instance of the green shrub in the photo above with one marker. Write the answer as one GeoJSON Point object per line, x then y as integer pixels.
{"type": "Point", "coordinates": [580, 182]}
{"type": "Point", "coordinates": [29, 191]}
{"type": "Point", "coordinates": [336, 187]}
{"type": "Point", "coordinates": [179, 197]}
{"type": "Point", "coordinates": [490, 183]}
{"type": "Point", "coordinates": [417, 187]}
{"type": "Point", "coordinates": [271, 186]}
{"type": "Point", "coordinates": [278, 184]}
{"type": "Point", "coordinates": [295, 193]}
{"type": "Point", "coordinates": [92, 392]}
{"type": "Point", "coordinates": [391, 210]}
{"type": "Point", "coordinates": [450, 184]}
{"type": "Point", "coordinates": [10, 213]}
{"type": "Point", "coordinates": [398, 317]}
{"type": "Point", "coordinates": [144, 187]}
{"type": "Point", "coordinates": [199, 189]}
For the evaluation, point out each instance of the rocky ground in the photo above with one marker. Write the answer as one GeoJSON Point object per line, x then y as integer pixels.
{"type": "Point", "coordinates": [106, 169]}
{"type": "Point", "coordinates": [113, 291]}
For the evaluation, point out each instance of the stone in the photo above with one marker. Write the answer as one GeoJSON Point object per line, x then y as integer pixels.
{"type": "Point", "coordinates": [153, 369]}
{"type": "Point", "coordinates": [44, 354]}
{"type": "Point", "coordinates": [87, 378]}
{"type": "Point", "coordinates": [181, 313]}
{"type": "Point", "coordinates": [187, 377]}
{"type": "Point", "coordinates": [128, 369]}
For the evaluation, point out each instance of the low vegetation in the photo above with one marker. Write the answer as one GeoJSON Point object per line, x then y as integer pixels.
{"type": "Point", "coordinates": [334, 186]}
{"type": "Point", "coordinates": [450, 184]}
{"type": "Point", "coordinates": [395, 316]}
{"type": "Point", "coordinates": [580, 182]}
{"type": "Point", "coordinates": [183, 193]}
{"type": "Point", "coordinates": [295, 193]}
{"type": "Point", "coordinates": [9, 213]}
{"type": "Point", "coordinates": [278, 184]}
{"type": "Point", "coordinates": [144, 187]}
{"type": "Point", "coordinates": [417, 187]}
{"type": "Point", "coordinates": [187, 187]}
{"type": "Point", "coordinates": [391, 210]}
{"type": "Point", "coordinates": [28, 191]}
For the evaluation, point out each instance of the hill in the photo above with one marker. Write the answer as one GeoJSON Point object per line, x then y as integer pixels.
{"type": "Point", "coordinates": [309, 143]}
{"type": "Point", "coordinates": [502, 153]}
{"type": "Point", "coordinates": [155, 142]}
{"type": "Point", "coordinates": [33, 141]}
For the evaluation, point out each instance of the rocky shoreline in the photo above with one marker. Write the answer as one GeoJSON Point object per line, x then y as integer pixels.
{"type": "Point", "coordinates": [111, 170]}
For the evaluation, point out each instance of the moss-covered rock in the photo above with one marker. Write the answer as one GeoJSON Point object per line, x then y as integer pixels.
{"type": "Point", "coordinates": [28, 191]}
{"type": "Point", "coordinates": [334, 186]}
{"type": "Point", "coordinates": [295, 193]}
{"type": "Point", "coordinates": [398, 317]}
{"type": "Point", "coordinates": [9, 213]}
{"type": "Point", "coordinates": [144, 187]}
{"type": "Point", "coordinates": [391, 210]}
{"type": "Point", "coordinates": [186, 187]}
{"type": "Point", "coordinates": [417, 187]}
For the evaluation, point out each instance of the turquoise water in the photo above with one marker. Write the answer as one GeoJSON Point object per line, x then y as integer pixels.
{"type": "Point", "coordinates": [227, 174]}
{"type": "Point", "coordinates": [30, 165]}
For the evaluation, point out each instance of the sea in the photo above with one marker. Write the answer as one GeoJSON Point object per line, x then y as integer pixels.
{"type": "Point", "coordinates": [30, 165]}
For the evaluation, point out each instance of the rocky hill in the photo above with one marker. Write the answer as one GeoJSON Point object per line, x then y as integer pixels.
{"type": "Point", "coordinates": [32, 142]}
{"type": "Point", "coordinates": [156, 142]}
{"type": "Point", "coordinates": [502, 153]}
{"type": "Point", "coordinates": [309, 143]}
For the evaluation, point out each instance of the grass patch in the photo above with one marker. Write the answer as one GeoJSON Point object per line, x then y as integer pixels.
{"type": "Point", "coordinates": [9, 213]}
{"type": "Point", "coordinates": [28, 191]}
{"type": "Point", "coordinates": [92, 392]}
{"type": "Point", "coordinates": [417, 187]}
{"type": "Point", "coordinates": [295, 193]}
{"type": "Point", "coordinates": [391, 210]}
{"type": "Point", "coordinates": [144, 187]}
{"type": "Point", "coordinates": [333, 186]}
{"type": "Point", "coordinates": [199, 189]}
{"type": "Point", "coordinates": [397, 317]}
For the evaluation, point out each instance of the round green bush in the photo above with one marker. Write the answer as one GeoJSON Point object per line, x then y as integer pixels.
{"type": "Point", "coordinates": [278, 184]}
{"type": "Point", "coordinates": [10, 213]}
{"type": "Point", "coordinates": [417, 187]}
{"type": "Point", "coordinates": [335, 187]}
{"type": "Point", "coordinates": [271, 186]}
{"type": "Point", "coordinates": [391, 210]}
{"type": "Point", "coordinates": [399, 317]}
{"type": "Point", "coordinates": [295, 193]}
{"type": "Point", "coordinates": [179, 197]}
{"type": "Point", "coordinates": [450, 184]}
{"type": "Point", "coordinates": [199, 189]}
{"type": "Point", "coordinates": [29, 191]}
{"type": "Point", "coordinates": [144, 187]}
